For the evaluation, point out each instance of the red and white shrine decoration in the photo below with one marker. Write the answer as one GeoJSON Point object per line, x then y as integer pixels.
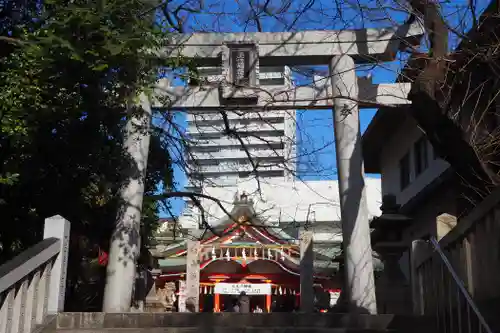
{"type": "Point", "coordinates": [206, 290]}
{"type": "Point", "coordinates": [229, 252]}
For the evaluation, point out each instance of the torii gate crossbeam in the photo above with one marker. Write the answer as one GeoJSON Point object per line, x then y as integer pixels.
{"type": "Point", "coordinates": [311, 47]}
{"type": "Point", "coordinates": [316, 96]}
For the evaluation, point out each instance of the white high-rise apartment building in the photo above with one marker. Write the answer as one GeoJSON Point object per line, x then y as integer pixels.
{"type": "Point", "coordinates": [217, 158]}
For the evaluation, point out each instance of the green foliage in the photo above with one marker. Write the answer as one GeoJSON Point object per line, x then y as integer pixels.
{"type": "Point", "coordinates": [63, 94]}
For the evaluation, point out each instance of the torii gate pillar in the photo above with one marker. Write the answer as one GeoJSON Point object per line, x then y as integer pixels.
{"type": "Point", "coordinates": [359, 285]}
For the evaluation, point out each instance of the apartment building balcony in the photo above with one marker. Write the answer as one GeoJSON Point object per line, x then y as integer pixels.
{"type": "Point", "coordinates": [234, 116]}
{"type": "Point", "coordinates": [218, 140]}
{"type": "Point", "coordinates": [221, 181]}
{"type": "Point", "coordinates": [220, 127]}
{"type": "Point", "coordinates": [237, 152]}
{"type": "Point", "coordinates": [237, 167]}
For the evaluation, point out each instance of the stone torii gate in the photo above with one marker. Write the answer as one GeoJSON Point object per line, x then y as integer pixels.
{"type": "Point", "coordinates": [237, 88]}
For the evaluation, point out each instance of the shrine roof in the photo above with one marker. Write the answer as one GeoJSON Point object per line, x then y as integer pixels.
{"type": "Point", "coordinates": [258, 244]}
{"type": "Point", "coordinates": [236, 234]}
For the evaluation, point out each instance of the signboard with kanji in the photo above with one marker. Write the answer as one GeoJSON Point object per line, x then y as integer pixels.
{"type": "Point", "coordinates": [241, 66]}
{"type": "Point", "coordinates": [248, 288]}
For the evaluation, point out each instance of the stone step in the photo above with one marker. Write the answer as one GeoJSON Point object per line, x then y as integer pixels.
{"type": "Point", "coordinates": [233, 320]}
{"type": "Point", "coordinates": [221, 330]}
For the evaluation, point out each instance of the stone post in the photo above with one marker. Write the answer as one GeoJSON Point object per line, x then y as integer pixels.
{"type": "Point", "coordinates": [306, 271]}
{"type": "Point", "coordinates": [418, 247]}
{"type": "Point", "coordinates": [359, 284]}
{"type": "Point", "coordinates": [444, 223]}
{"type": "Point", "coordinates": [182, 296]}
{"type": "Point", "coordinates": [58, 227]}
{"type": "Point", "coordinates": [193, 276]}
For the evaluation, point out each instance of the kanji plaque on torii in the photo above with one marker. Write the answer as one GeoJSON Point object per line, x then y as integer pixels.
{"type": "Point", "coordinates": [242, 64]}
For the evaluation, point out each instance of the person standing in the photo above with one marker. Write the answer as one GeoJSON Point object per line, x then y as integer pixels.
{"type": "Point", "coordinates": [244, 303]}
{"type": "Point", "coordinates": [236, 307]}
{"type": "Point", "coordinates": [257, 309]}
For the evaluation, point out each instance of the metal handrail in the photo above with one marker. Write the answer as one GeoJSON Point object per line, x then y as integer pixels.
{"type": "Point", "coordinates": [460, 285]}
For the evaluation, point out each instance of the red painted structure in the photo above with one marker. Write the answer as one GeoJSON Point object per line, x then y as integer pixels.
{"type": "Point", "coordinates": [243, 253]}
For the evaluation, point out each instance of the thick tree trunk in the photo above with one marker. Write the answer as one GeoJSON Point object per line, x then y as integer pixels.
{"type": "Point", "coordinates": [430, 109]}
{"type": "Point", "coordinates": [125, 242]}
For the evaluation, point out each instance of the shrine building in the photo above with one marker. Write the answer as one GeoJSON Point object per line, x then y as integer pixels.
{"type": "Point", "coordinates": [254, 246]}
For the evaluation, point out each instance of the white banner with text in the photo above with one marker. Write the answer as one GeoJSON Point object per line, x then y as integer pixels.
{"type": "Point", "coordinates": [248, 288]}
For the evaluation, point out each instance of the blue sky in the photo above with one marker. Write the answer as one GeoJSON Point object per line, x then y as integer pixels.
{"type": "Point", "coordinates": [314, 127]}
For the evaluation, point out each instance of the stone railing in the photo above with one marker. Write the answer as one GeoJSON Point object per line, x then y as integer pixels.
{"type": "Point", "coordinates": [33, 284]}
{"type": "Point", "coordinates": [451, 277]}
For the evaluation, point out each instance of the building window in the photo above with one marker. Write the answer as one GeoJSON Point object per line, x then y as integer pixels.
{"type": "Point", "coordinates": [404, 171]}
{"type": "Point", "coordinates": [420, 156]}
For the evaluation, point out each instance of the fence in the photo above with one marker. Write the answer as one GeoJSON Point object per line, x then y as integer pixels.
{"type": "Point", "coordinates": [450, 277]}
{"type": "Point", "coordinates": [33, 284]}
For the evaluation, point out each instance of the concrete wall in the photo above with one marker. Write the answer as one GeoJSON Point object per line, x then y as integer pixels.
{"type": "Point", "coordinates": [284, 202]}
{"type": "Point", "coordinates": [401, 143]}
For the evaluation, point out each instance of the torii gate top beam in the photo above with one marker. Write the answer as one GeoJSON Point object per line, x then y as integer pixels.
{"type": "Point", "coordinates": [298, 48]}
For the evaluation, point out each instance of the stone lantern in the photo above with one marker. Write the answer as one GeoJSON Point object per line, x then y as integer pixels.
{"type": "Point", "coordinates": [392, 287]}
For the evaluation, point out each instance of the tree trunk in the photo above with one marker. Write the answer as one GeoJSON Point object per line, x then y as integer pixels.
{"type": "Point", "coordinates": [125, 241]}
{"type": "Point", "coordinates": [430, 110]}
